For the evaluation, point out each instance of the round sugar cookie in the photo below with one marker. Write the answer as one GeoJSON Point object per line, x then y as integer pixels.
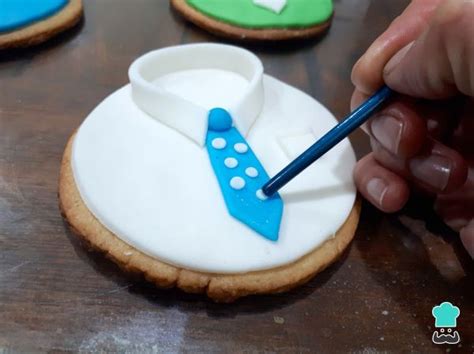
{"type": "Point", "coordinates": [25, 23]}
{"type": "Point", "coordinates": [218, 287]}
{"type": "Point", "coordinates": [259, 20]}
{"type": "Point", "coordinates": [136, 182]}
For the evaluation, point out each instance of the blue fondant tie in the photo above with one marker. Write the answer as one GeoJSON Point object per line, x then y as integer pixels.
{"type": "Point", "coordinates": [15, 14]}
{"type": "Point", "coordinates": [240, 176]}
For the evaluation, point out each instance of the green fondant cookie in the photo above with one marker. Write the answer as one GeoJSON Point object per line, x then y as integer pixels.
{"type": "Point", "coordinates": [258, 20]}
{"type": "Point", "coordinates": [245, 13]}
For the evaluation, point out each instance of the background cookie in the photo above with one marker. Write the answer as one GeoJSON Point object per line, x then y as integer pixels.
{"type": "Point", "coordinates": [219, 287]}
{"type": "Point", "coordinates": [33, 32]}
{"type": "Point", "coordinates": [231, 20]}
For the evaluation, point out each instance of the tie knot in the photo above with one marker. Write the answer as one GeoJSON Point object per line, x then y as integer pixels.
{"type": "Point", "coordinates": [219, 120]}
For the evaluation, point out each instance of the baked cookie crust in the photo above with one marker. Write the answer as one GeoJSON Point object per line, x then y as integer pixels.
{"type": "Point", "coordinates": [41, 31]}
{"type": "Point", "coordinates": [219, 287]}
{"type": "Point", "coordinates": [226, 30]}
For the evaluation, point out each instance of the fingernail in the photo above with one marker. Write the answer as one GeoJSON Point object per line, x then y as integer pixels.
{"type": "Point", "coordinates": [388, 132]}
{"type": "Point", "coordinates": [433, 171]}
{"type": "Point", "coordinates": [354, 70]}
{"type": "Point", "coordinates": [377, 188]}
{"type": "Point", "coordinates": [456, 224]}
{"type": "Point", "coordinates": [467, 238]}
{"type": "Point", "coordinates": [396, 59]}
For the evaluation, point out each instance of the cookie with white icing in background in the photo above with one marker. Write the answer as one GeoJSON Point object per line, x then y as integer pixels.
{"type": "Point", "coordinates": [136, 182]}
{"type": "Point", "coordinates": [259, 20]}
{"type": "Point", "coordinates": [25, 23]}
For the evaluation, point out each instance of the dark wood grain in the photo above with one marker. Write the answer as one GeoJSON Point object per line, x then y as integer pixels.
{"type": "Point", "coordinates": [55, 296]}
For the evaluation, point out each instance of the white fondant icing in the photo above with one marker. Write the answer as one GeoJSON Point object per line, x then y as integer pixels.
{"type": "Point", "coordinates": [230, 162]}
{"type": "Point", "coordinates": [237, 183]}
{"type": "Point", "coordinates": [251, 172]}
{"type": "Point", "coordinates": [155, 189]}
{"type": "Point", "coordinates": [324, 168]}
{"type": "Point", "coordinates": [219, 143]}
{"type": "Point", "coordinates": [212, 93]}
{"type": "Point", "coordinates": [260, 195]}
{"type": "Point", "coordinates": [295, 144]}
{"type": "Point", "coordinates": [272, 5]}
{"type": "Point", "coordinates": [241, 148]}
{"type": "Point", "coordinates": [190, 117]}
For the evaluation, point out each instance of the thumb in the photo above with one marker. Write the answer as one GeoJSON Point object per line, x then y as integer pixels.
{"type": "Point", "coordinates": [439, 64]}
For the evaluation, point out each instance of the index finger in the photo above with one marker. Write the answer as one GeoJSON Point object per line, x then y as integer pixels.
{"type": "Point", "coordinates": [367, 72]}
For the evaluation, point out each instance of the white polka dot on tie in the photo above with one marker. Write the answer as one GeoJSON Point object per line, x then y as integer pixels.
{"type": "Point", "coordinates": [230, 162]}
{"type": "Point", "coordinates": [241, 148]}
{"type": "Point", "coordinates": [251, 172]}
{"type": "Point", "coordinates": [237, 183]}
{"type": "Point", "coordinates": [219, 143]}
{"type": "Point", "coordinates": [260, 195]}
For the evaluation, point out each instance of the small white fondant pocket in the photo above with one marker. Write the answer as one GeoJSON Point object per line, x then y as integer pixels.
{"type": "Point", "coordinates": [276, 6]}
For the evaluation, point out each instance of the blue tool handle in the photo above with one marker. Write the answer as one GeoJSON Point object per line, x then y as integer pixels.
{"type": "Point", "coordinates": [358, 117]}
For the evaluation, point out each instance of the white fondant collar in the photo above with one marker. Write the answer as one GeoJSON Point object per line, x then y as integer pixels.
{"type": "Point", "coordinates": [166, 106]}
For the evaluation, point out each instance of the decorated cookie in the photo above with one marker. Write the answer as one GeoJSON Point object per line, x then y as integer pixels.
{"type": "Point", "coordinates": [164, 176]}
{"type": "Point", "coordinates": [28, 22]}
{"type": "Point", "coordinates": [259, 20]}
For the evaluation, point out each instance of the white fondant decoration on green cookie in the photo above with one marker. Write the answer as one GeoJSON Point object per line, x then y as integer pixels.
{"type": "Point", "coordinates": [276, 6]}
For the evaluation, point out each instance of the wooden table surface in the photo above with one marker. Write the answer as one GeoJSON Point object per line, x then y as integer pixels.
{"type": "Point", "coordinates": [55, 296]}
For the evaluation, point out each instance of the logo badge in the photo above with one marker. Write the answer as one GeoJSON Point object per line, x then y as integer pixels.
{"type": "Point", "coordinates": [446, 315]}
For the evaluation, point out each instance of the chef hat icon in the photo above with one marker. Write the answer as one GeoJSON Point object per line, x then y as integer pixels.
{"type": "Point", "coordinates": [445, 315]}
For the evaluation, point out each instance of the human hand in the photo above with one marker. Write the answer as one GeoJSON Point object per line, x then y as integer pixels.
{"type": "Point", "coordinates": [425, 138]}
